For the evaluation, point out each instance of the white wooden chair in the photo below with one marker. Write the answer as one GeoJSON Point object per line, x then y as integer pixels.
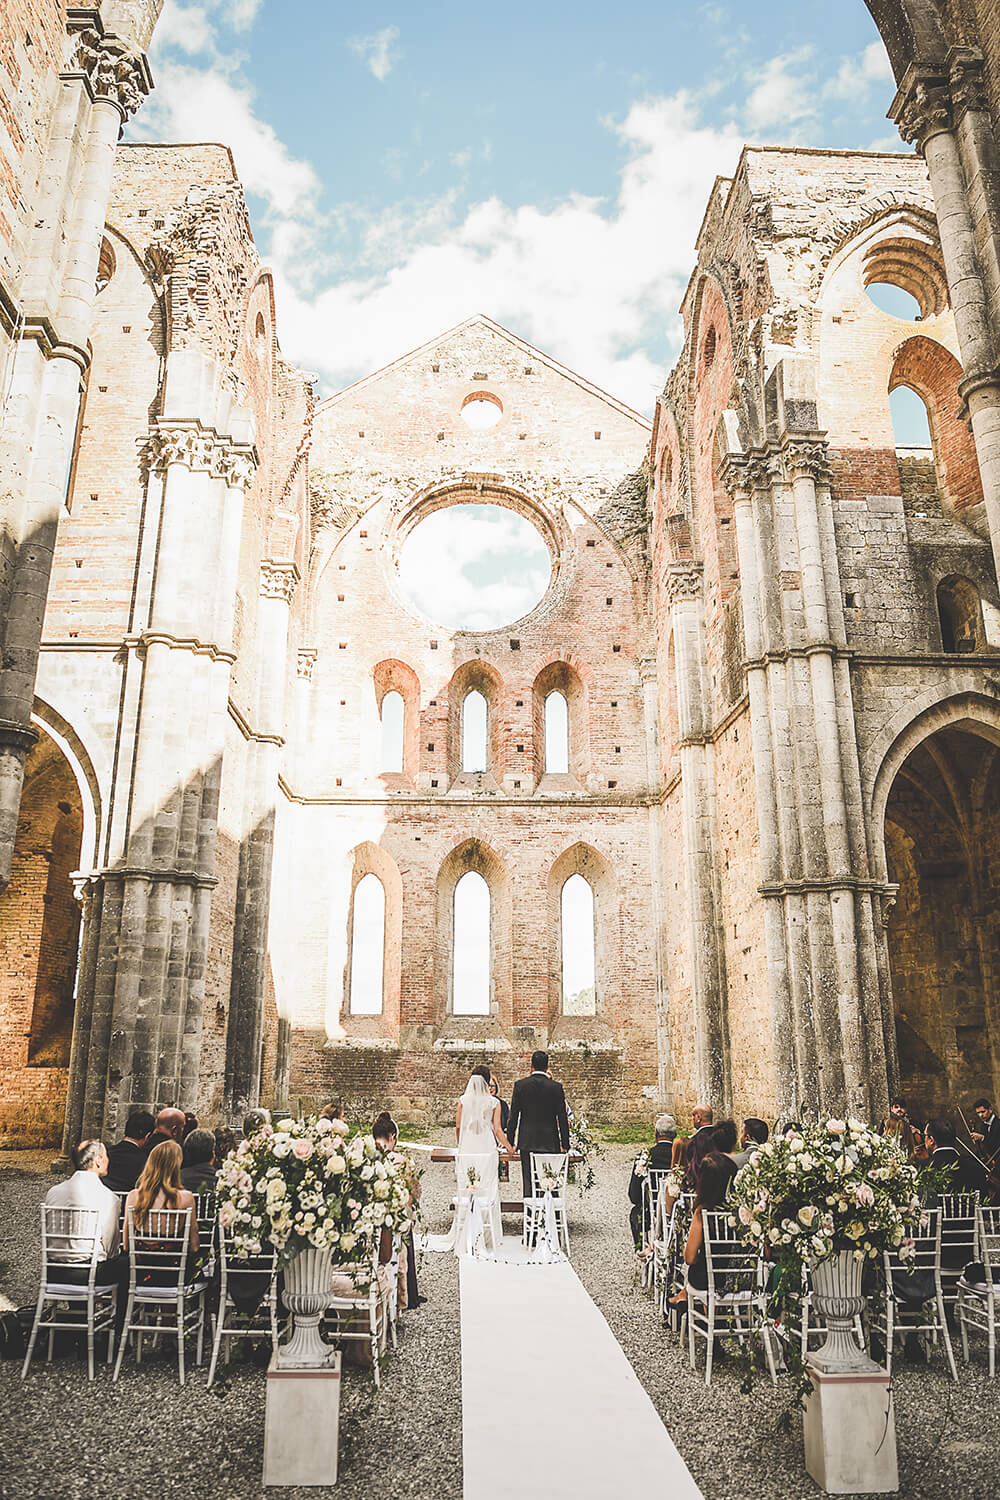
{"type": "Point", "coordinates": [977, 1299]}
{"type": "Point", "coordinates": [160, 1280]}
{"type": "Point", "coordinates": [652, 1187]}
{"type": "Point", "coordinates": [206, 1213]}
{"type": "Point", "coordinates": [668, 1254]}
{"type": "Point", "coordinates": [545, 1211]}
{"type": "Point", "coordinates": [367, 1302]}
{"type": "Point", "coordinates": [63, 1231]}
{"type": "Point", "coordinates": [895, 1313]}
{"type": "Point", "coordinates": [959, 1239]}
{"type": "Point", "coordinates": [734, 1304]}
{"type": "Point", "coordinates": [229, 1323]}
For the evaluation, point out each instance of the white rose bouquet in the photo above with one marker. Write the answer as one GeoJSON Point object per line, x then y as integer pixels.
{"type": "Point", "coordinates": [303, 1183]}
{"type": "Point", "coordinates": [833, 1186]}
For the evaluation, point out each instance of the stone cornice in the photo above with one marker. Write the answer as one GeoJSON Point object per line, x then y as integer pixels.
{"type": "Point", "coordinates": [278, 580]}
{"type": "Point", "coordinates": [16, 736]}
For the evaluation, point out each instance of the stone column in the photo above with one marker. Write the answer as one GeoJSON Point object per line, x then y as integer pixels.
{"type": "Point", "coordinates": [664, 1071]}
{"type": "Point", "coordinates": [942, 111]}
{"type": "Point", "coordinates": [683, 586]}
{"type": "Point", "coordinates": [103, 84]}
{"type": "Point", "coordinates": [278, 580]}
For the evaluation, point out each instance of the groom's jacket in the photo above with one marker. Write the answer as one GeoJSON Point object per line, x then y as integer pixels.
{"type": "Point", "coordinates": [538, 1115]}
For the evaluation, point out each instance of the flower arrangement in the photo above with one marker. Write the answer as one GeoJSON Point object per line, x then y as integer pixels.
{"type": "Point", "coordinates": [831, 1187]}
{"type": "Point", "coordinates": [306, 1183]}
{"type": "Point", "coordinates": [584, 1143]}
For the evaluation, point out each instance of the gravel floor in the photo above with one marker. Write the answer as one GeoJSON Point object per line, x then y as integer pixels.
{"type": "Point", "coordinates": [147, 1437]}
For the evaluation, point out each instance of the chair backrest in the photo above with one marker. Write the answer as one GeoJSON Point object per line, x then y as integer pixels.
{"type": "Point", "coordinates": [926, 1256]}
{"type": "Point", "coordinates": [264, 1264]}
{"type": "Point", "coordinates": [732, 1265]}
{"type": "Point", "coordinates": [549, 1172]}
{"type": "Point", "coordinates": [160, 1248]}
{"type": "Point", "coordinates": [959, 1230]}
{"type": "Point", "coordinates": [989, 1239]}
{"type": "Point", "coordinates": [69, 1236]}
{"type": "Point", "coordinates": [206, 1212]}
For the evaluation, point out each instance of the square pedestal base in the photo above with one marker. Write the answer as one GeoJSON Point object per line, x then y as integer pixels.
{"type": "Point", "coordinates": [302, 1425]}
{"type": "Point", "coordinates": [850, 1434]}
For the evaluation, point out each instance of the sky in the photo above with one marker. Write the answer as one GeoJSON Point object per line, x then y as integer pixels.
{"type": "Point", "coordinates": [410, 165]}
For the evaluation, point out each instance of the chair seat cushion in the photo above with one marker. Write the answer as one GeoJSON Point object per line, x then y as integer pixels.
{"type": "Point", "coordinates": [980, 1288]}
{"type": "Point", "coordinates": [729, 1298]}
{"type": "Point", "coordinates": [168, 1293]}
{"type": "Point", "coordinates": [73, 1291]}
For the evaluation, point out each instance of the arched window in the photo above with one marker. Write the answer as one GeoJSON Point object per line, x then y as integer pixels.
{"type": "Point", "coordinates": [474, 755]}
{"type": "Point", "coordinates": [471, 947]}
{"type": "Point", "coordinates": [910, 423]}
{"type": "Point", "coordinates": [556, 733]}
{"type": "Point", "coordinates": [367, 947]}
{"type": "Point", "coordinates": [391, 734]}
{"type": "Point", "coordinates": [579, 982]}
{"type": "Point", "coordinates": [960, 612]}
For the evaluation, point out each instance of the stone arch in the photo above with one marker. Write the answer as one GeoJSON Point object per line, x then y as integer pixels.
{"type": "Point", "coordinates": [933, 372]}
{"type": "Point", "coordinates": [475, 855]}
{"type": "Point", "coordinates": [39, 948]}
{"type": "Point", "coordinates": [960, 615]}
{"type": "Point", "coordinates": [912, 30]}
{"type": "Point", "coordinates": [583, 859]}
{"type": "Point", "coordinates": [394, 676]}
{"type": "Point", "coordinates": [478, 676]}
{"type": "Point", "coordinates": [562, 675]}
{"type": "Point", "coordinates": [369, 859]}
{"type": "Point", "coordinates": [90, 768]}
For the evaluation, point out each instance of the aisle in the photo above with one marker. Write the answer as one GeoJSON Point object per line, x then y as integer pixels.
{"type": "Point", "coordinates": [541, 1365]}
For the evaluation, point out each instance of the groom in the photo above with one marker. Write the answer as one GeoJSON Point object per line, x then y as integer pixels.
{"type": "Point", "coordinates": [537, 1116]}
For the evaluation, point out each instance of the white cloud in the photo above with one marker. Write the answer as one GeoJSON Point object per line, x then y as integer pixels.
{"type": "Point", "coordinates": [474, 567]}
{"type": "Point", "coordinates": [782, 96]}
{"type": "Point", "coordinates": [187, 27]}
{"type": "Point", "coordinates": [860, 72]}
{"type": "Point", "coordinates": [241, 14]}
{"type": "Point", "coordinates": [377, 51]}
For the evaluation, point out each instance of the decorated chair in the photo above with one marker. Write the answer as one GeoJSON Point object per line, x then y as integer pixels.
{"type": "Point", "coordinates": [670, 1234]}
{"type": "Point", "coordinates": [652, 1190]}
{"type": "Point", "coordinates": [910, 1298]}
{"type": "Point", "coordinates": [734, 1304]}
{"type": "Point", "coordinates": [358, 1310]}
{"type": "Point", "coordinates": [545, 1216]}
{"type": "Point", "coordinates": [162, 1281]}
{"type": "Point", "coordinates": [248, 1299]}
{"type": "Point", "coordinates": [63, 1231]}
{"type": "Point", "coordinates": [979, 1287]}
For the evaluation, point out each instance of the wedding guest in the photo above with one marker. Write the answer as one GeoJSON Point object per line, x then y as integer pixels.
{"type": "Point", "coordinates": [713, 1183]}
{"type": "Point", "coordinates": [199, 1171]}
{"type": "Point", "coordinates": [127, 1157]}
{"type": "Point", "coordinates": [190, 1123]}
{"type": "Point", "coordinates": [254, 1120]}
{"type": "Point", "coordinates": [896, 1125]}
{"type": "Point", "coordinates": [504, 1106]}
{"type": "Point", "coordinates": [724, 1142]}
{"type": "Point", "coordinates": [225, 1142]}
{"type": "Point", "coordinates": [699, 1144]}
{"type": "Point", "coordinates": [85, 1189]}
{"type": "Point", "coordinates": [659, 1159]}
{"type": "Point", "coordinates": [336, 1113]}
{"type": "Point", "coordinates": [169, 1127]}
{"type": "Point", "coordinates": [967, 1176]}
{"type": "Point", "coordinates": [386, 1134]}
{"type": "Point", "coordinates": [159, 1187]}
{"type": "Point", "coordinates": [754, 1136]}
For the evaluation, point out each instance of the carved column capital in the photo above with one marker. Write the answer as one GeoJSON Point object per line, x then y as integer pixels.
{"type": "Point", "coordinates": [807, 456]}
{"type": "Point", "coordinates": [197, 449]}
{"type": "Point", "coordinates": [236, 463]}
{"type": "Point", "coordinates": [922, 107]}
{"type": "Point", "coordinates": [965, 74]}
{"type": "Point", "coordinates": [735, 474]}
{"type": "Point", "coordinates": [114, 72]}
{"type": "Point", "coordinates": [306, 661]}
{"type": "Point", "coordinates": [278, 580]}
{"type": "Point", "coordinates": [683, 581]}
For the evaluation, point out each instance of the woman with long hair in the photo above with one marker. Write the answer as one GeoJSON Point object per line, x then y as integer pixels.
{"type": "Point", "coordinates": [714, 1176]}
{"type": "Point", "coordinates": [159, 1187]}
{"type": "Point", "coordinates": [480, 1138]}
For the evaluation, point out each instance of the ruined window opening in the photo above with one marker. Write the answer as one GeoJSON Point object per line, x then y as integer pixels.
{"type": "Point", "coordinates": [105, 266]}
{"type": "Point", "coordinates": [557, 734]}
{"type": "Point", "coordinates": [961, 616]}
{"type": "Point", "coordinates": [910, 421]}
{"type": "Point", "coordinates": [910, 267]}
{"type": "Point", "coordinates": [579, 963]}
{"type": "Point", "coordinates": [894, 300]}
{"type": "Point", "coordinates": [474, 716]}
{"type": "Point", "coordinates": [481, 410]}
{"type": "Point", "coordinates": [471, 946]}
{"type": "Point", "coordinates": [392, 716]}
{"type": "Point", "coordinates": [367, 947]}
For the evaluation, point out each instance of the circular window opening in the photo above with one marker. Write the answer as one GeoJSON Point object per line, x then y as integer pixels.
{"type": "Point", "coordinates": [474, 567]}
{"type": "Point", "coordinates": [894, 301]}
{"type": "Point", "coordinates": [481, 410]}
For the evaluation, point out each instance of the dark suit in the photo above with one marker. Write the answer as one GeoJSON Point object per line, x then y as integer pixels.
{"type": "Point", "coordinates": [125, 1163]}
{"type": "Point", "coordinates": [537, 1121]}
{"type": "Point", "coordinates": [989, 1146]}
{"type": "Point", "coordinates": [660, 1157]}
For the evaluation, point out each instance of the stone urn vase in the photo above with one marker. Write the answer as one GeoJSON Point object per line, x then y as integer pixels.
{"type": "Point", "coordinates": [837, 1299]}
{"type": "Point", "coordinates": [307, 1294]}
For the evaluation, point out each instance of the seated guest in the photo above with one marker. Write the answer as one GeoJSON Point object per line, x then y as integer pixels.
{"type": "Point", "coordinates": [335, 1112]}
{"type": "Point", "coordinates": [169, 1127]}
{"type": "Point", "coordinates": [254, 1120]}
{"type": "Point", "coordinates": [159, 1187]}
{"type": "Point", "coordinates": [699, 1144]}
{"type": "Point", "coordinates": [190, 1123]}
{"type": "Point", "coordinates": [659, 1159]}
{"type": "Point", "coordinates": [199, 1171]}
{"type": "Point", "coordinates": [225, 1142]}
{"type": "Point", "coordinates": [724, 1142]}
{"type": "Point", "coordinates": [967, 1175]}
{"type": "Point", "coordinates": [86, 1190]}
{"type": "Point", "coordinates": [754, 1136]}
{"type": "Point", "coordinates": [713, 1184]}
{"type": "Point", "coordinates": [386, 1135]}
{"type": "Point", "coordinates": [127, 1157]}
{"type": "Point", "coordinates": [897, 1127]}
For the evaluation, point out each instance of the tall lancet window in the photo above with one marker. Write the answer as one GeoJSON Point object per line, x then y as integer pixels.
{"type": "Point", "coordinates": [579, 978]}
{"type": "Point", "coordinates": [367, 947]}
{"type": "Point", "coordinates": [474, 732]}
{"type": "Point", "coordinates": [556, 733]}
{"type": "Point", "coordinates": [391, 733]}
{"type": "Point", "coordinates": [471, 986]}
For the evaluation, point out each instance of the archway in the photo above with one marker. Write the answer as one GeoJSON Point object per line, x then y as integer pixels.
{"type": "Point", "coordinates": [942, 842]}
{"type": "Point", "coordinates": [39, 939]}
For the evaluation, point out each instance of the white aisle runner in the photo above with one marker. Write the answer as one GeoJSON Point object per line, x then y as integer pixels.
{"type": "Point", "coordinates": [539, 1359]}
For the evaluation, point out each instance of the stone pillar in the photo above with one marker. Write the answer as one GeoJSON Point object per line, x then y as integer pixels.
{"type": "Point", "coordinates": [664, 1071]}
{"type": "Point", "coordinates": [246, 1000]}
{"type": "Point", "coordinates": [683, 586]}
{"type": "Point", "coordinates": [104, 82]}
{"type": "Point", "coordinates": [942, 110]}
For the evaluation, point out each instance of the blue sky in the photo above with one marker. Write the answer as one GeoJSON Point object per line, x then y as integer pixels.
{"type": "Point", "coordinates": [411, 164]}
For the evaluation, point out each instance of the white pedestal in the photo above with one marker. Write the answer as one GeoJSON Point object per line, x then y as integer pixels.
{"type": "Point", "coordinates": [302, 1425]}
{"type": "Point", "coordinates": [850, 1433]}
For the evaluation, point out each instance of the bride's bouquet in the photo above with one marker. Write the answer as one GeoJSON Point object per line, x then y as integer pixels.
{"type": "Point", "coordinates": [305, 1183]}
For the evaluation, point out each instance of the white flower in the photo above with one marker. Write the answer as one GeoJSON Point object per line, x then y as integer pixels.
{"type": "Point", "coordinates": [836, 1127]}
{"type": "Point", "coordinates": [284, 1126]}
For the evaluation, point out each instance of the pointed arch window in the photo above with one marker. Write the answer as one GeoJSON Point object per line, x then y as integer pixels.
{"type": "Point", "coordinates": [367, 947]}
{"type": "Point", "coordinates": [471, 946]}
{"type": "Point", "coordinates": [556, 733]}
{"type": "Point", "coordinates": [579, 958]}
{"type": "Point", "coordinates": [474, 748]}
{"type": "Point", "coordinates": [393, 718]}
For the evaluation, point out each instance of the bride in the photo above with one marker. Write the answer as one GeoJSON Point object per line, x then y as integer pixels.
{"type": "Point", "coordinates": [480, 1137]}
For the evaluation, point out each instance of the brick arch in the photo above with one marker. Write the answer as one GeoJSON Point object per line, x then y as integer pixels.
{"type": "Point", "coordinates": [933, 372]}
{"type": "Point", "coordinates": [584, 859]}
{"type": "Point", "coordinates": [90, 769]}
{"type": "Point", "coordinates": [888, 209]}
{"type": "Point", "coordinates": [370, 859]}
{"type": "Point", "coordinates": [473, 854]}
{"type": "Point", "coordinates": [476, 675]}
{"type": "Point", "coordinates": [562, 674]}
{"type": "Point", "coordinates": [395, 676]}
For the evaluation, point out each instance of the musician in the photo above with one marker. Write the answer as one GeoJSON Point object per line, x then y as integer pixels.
{"type": "Point", "coordinates": [942, 1142]}
{"type": "Point", "coordinates": [988, 1139]}
{"type": "Point", "coordinates": [897, 1125]}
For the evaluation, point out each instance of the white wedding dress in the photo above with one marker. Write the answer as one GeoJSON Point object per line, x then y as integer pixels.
{"type": "Point", "coordinates": [477, 1177]}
